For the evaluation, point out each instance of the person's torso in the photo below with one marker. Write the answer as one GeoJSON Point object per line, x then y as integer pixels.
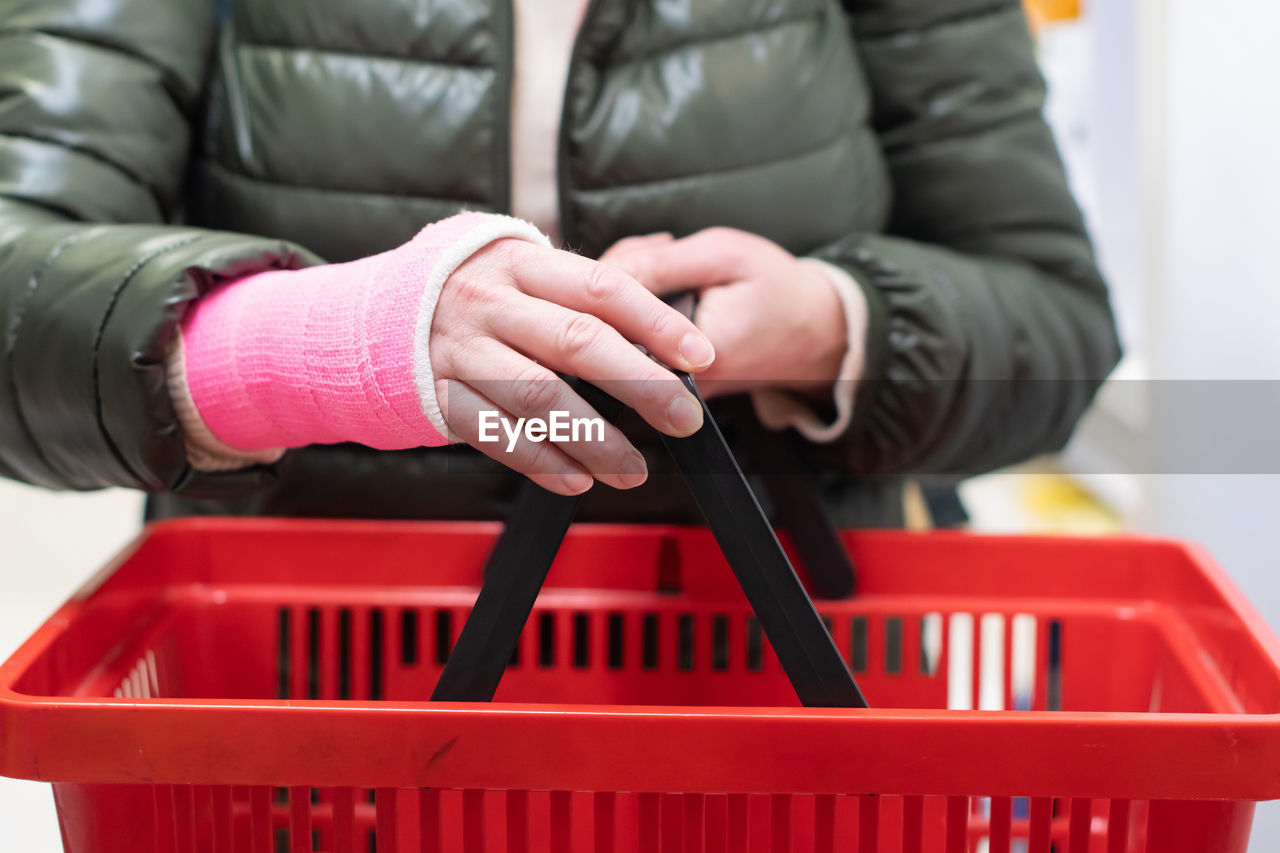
{"type": "Point", "coordinates": [345, 127]}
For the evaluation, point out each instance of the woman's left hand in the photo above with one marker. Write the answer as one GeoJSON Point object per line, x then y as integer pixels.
{"type": "Point", "coordinates": [774, 321]}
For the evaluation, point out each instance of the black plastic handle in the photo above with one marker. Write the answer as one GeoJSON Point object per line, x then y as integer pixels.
{"type": "Point", "coordinates": [795, 630]}
{"type": "Point", "coordinates": [521, 558]}
{"type": "Point", "coordinates": [800, 511]}
{"type": "Point", "coordinates": [513, 576]}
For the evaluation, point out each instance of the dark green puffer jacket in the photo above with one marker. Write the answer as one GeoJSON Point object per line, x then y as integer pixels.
{"type": "Point", "coordinates": [900, 139]}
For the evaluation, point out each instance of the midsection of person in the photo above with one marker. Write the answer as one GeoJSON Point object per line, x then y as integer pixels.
{"type": "Point", "coordinates": [343, 127]}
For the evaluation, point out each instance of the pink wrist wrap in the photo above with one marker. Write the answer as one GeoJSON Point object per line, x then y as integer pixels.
{"type": "Point", "coordinates": [326, 354]}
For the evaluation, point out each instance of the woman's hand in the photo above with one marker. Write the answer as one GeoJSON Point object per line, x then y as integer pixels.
{"type": "Point", "coordinates": [415, 346]}
{"type": "Point", "coordinates": [775, 321]}
{"type": "Point", "coordinates": [514, 314]}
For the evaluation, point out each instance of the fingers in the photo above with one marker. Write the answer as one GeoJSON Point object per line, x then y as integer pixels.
{"type": "Point", "coordinates": [542, 462]}
{"type": "Point", "coordinates": [583, 345]}
{"type": "Point", "coordinates": [708, 258]}
{"type": "Point", "coordinates": [619, 300]}
{"type": "Point", "coordinates": [644, 242]}
{"type": "Point", "coordinates": [529, 390]}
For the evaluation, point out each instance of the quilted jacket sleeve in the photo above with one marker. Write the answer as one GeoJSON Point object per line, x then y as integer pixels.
{"type": "Point", "coordinates": [990, 325]}
{"type": "Point", "coordinates": [95, 107]}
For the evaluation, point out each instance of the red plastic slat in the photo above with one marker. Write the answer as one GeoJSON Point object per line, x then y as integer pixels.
{"type": "Point", "coordinates": [605, 806]}
{"type": "Point", "coordinates": [868, 824]}
{"type": "Point", "coordinates": [1001, 817]}
{"type": "Point", "coordinates": [957, 824]}
{"type": "Point", "coordinates": [912, 824]}
{"type": "Point", "coordinates": [429, 820]}
{"type": "Point", "coordinates": [300, 820]}
{"type": "Point", "coordinates": [1080, 816]}
{"type": "Point", "coordinates": [1118, 827]}
{"type": "Point", "coordinates": [1040, 825]}
{"type": "Point", "coordinates": [344, 831]}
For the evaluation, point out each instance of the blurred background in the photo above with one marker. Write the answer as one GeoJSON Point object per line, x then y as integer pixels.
{"type": "Point", "coordinates": [1167, 115]}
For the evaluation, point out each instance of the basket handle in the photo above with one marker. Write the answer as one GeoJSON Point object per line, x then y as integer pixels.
{"type": "Point", "coordinates": [523, 554]}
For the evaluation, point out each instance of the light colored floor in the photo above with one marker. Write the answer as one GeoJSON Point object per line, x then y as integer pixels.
{"type": "Point", "coordinates": [49, 544]}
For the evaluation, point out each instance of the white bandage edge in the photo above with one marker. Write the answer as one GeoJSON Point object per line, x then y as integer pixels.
{"type": "Point", "coordinates": [496, 226]}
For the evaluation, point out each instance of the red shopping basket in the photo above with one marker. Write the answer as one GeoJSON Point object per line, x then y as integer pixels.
{"type": "Point", "coordinates": [256, 685]}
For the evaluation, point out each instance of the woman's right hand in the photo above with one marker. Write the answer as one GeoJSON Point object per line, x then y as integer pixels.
{"type": "Point", "coordinates": [515, 314]}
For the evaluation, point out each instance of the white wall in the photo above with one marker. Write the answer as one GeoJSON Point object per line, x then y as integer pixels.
{"type": "Point", "coordinates": [1189, 223]}
{"type": "Point", "coordinates": [1220, 317]}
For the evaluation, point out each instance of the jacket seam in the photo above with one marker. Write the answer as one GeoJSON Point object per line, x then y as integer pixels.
{"type": "Point", "coordinates": [97, 157]}
{"type": "Point", "coordinates": [42, 204]}
{"type": "Point", "coordinates": [169, 77]}
{"type": "Point", "coordinates": [128, 277]}
{"type": "Point", "coordinates": [14, 330]}
{"type": "Point", "coordinates": [891, 32]}
{"type": "Point", "coordinates": [353, 54]}
{"type": "Point", "coordinates": [712, 174]}
{"type": "Point", "coordinates": [1012, 120]}
{"type": "Point", "coordinates": [725, 35]}
{"type": "Point", "coordinates": [210, 163]}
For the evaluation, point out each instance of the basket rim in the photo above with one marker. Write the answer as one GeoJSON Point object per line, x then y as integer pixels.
{"type": "Point", "coordinates": [680, 748]}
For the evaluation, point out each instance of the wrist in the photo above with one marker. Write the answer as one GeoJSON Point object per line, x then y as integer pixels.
{"type": "Point", "coordinates": [327, 354]}
{"type": "Point", "coordinates": [826, 333]}
{"type": "Point", "coordinates": [823, 410]}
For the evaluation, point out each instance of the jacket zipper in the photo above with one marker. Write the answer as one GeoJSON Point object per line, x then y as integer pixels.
{"type": "Point", "coordinates": [568, 235]}
{"type": "Point", "coordinates": [502, 156]}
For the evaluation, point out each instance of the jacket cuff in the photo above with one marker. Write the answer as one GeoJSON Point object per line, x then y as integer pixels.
{"type": "Point", "coordinates": [779, 410]}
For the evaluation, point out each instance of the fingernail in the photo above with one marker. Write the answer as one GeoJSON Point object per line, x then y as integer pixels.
{"type": "Point", "coordinates": [633, 467]}
{"type": "Point", "coordinates": [578, 482]}
{"type": "Point", "coordinates": [697, 350]}
{"type": "Point", "coordinates": [684, 414]}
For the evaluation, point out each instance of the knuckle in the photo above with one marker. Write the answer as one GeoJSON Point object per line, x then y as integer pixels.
{"type": "Point", "coordinates": [470, 287]}
{"type": "Point", "coordinates": [603, 282]}
{"type": "Point", "coordinates": [541, 459]}
{"type": "Point", "coordinates": [580, 335]}
{"type": "Point", "coordinates": [662, 322]}
{"type": "Point", "coordinates": [534, 390]}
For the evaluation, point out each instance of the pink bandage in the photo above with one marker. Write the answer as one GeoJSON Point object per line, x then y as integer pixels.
{"type": "Point", "coordinates": [324, 355]}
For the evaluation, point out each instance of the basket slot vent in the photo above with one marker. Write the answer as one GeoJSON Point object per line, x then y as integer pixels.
{"type": "Point", "coordinates": [684, 642]}
{"type": "Point", "coordinates": [329, 820]}
{"type": "Point", "coordinates": [581, 641]}
{"type": "Point", "coordinates": [284, 652]}
{"type": "Point", "coordinates": [960, 650]}
{"type": "Point", "coordinates": [720, 642]}
{"type": "Point", "coordinates": [377, 656]}
{"type": "Point", "coordinates": [755, 645]}
{"type": "Point", "coordinates": [930, 643]}
{"type": "Point", "coordinates": [546, 639]}
{"type": "Point", "coordinates": [313, 653]}
{"type": "Point", "coordinates": [649, 641]}
{"type": "Point", "coordinates": [142, 681]}
{"type": "Point", "coordinates": [858, 644]}
{"type": "Point", "coordinates": [408, 637]}
{"type": "Point", "coordinates": [991, 660]}
{"type": "Point", "coordinates": [1053, 691]}
{"type": "Point", "coordinates": [444, 636]}
{"type": "Point", "coordinates": [893, 645]}
{"type": "Point", "coordinates": [344, 653]}
{"type": "Point", "coordinates": [617, 641]}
